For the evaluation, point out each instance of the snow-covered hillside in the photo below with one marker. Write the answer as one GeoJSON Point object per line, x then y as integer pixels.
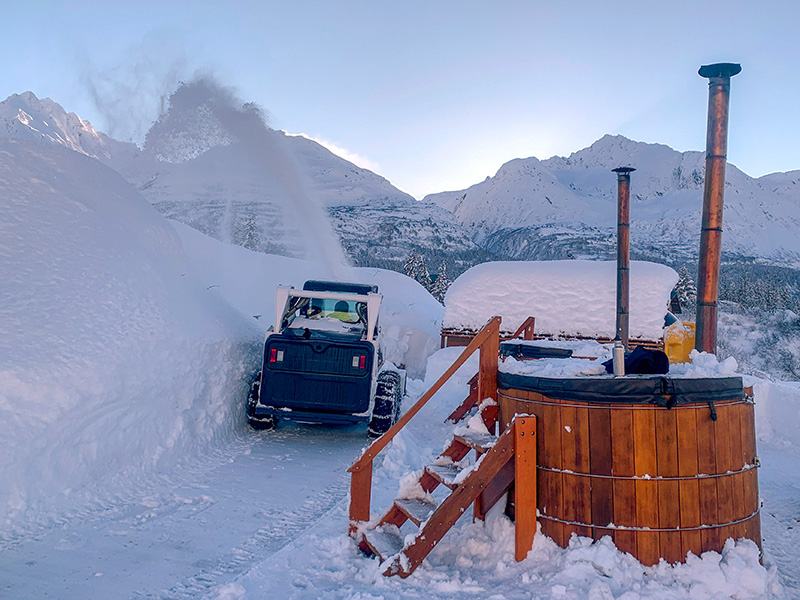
{"type": "Point", "coordinates": [564, 207]}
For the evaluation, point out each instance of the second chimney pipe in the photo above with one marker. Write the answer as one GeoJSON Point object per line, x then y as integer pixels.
{"type": "Point", "coordinates": [623, 252]}
{"type": "Point", "coordinates": [719, 86]}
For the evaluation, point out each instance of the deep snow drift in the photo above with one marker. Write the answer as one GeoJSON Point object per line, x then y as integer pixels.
{"type": "Point", "coordinates": [113, 357]}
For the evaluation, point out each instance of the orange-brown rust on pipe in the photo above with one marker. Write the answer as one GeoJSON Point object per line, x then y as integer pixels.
{"type": "Point", "coordinates": [623, 252]}
{"type": "Point", "coordinates": [719, 85]}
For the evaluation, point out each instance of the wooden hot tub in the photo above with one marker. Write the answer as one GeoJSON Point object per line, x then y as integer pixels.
{"type": "Point", "coordinates": [663, 465]}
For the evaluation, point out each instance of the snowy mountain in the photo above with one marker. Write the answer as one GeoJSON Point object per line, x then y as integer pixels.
{"type": "Point", "coordinates": [26, 117]}
{"type": "Point", "coordinates": [209, 175]}
{"type": "Point", "coordinates": [565, 207]}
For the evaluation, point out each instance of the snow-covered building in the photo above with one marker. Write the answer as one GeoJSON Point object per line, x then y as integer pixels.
{"type": "Point", "coordinates": [568, 298]}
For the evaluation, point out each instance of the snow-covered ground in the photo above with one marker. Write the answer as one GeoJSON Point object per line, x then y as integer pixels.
{"type": "Point", "coordinates": [126, 348]}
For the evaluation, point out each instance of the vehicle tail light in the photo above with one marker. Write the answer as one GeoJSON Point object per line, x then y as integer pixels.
{"type": "Point", "coordinates": [362, 361]}
{"type": "Point", "coordinates": [275, 355]}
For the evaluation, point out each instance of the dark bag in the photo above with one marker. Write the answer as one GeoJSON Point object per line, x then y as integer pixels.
{"type": "Point", "coordinates": [642, 361]}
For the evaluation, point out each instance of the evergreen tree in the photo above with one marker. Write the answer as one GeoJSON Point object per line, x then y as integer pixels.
{"type": "Point", "coordinates": [685, 291]}
{"type": "Point", "coordinates": [250, 237]}
{"type": "Point", "coordinates": [441, 285]}
{"type": "Point", "coordinates": [415, 268]}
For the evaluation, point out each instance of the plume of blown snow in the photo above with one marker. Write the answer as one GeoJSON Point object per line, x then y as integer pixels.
{"type": "Point", "coordinates": [246, 123]}
{"type": "Point", "coordinates": [130, 95]}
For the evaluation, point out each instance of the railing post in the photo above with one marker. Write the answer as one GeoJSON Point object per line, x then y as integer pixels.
{"type": "Point", "coordinates": [527, 334]}
{"type": "Point", "coordinates": [360, 496]}
{"type": "Point", "coordinates": [524, 484]}
{"type": "Point", "coordinates": [487, 370]}
{"type": "Point", "coordinates": [526, 330]}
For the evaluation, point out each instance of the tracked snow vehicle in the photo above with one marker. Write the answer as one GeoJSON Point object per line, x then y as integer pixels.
{"type": "Point", "coordinates": [322, 360]}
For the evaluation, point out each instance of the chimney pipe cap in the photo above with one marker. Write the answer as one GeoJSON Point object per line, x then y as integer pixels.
{"type": "Point", "coordinates": [720, 70]}
{"type": "Point", "coordinates": [623, 170]}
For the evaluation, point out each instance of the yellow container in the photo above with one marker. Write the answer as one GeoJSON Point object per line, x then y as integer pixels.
{"type": "Point", "coordinates": [679, 341]}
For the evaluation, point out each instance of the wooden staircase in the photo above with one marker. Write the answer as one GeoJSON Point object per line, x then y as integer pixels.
{"type": "Point", "coordinates": [434, 519]}
{"type": "Point", "coordinates": [483, 481]}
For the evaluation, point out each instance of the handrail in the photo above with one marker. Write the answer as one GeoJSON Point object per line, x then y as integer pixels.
{"type": "Point", "coordinates": [488, 340]}
{"type": "Point", "coordinates": [526, 328]}
{"type": "Point", "coordinates": [493, 326]}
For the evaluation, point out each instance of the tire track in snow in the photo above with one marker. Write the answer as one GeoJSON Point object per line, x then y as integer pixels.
{"type": "Point", "coordinates": [281, 529]}
{"type": "Point", "coordinates": [125, 491]}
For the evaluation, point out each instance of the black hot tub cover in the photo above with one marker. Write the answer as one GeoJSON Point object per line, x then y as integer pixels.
{"type": "Point", "coordinates": [635, 389]}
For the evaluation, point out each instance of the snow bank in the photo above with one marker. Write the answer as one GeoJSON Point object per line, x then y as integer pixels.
{"type": "Point", "coordinates": [777, 411]}
{"type": "Point", "coordinates": [703, 364]}
{"type": "Point", "coordinates": [567, 297]}
{"type": "Point", "coordinates": [410, 317]}
{"type": "Point", "coordinates": [114, 359]}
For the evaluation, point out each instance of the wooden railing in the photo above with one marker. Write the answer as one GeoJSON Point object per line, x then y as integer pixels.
{"type": "Point", "coordinates": [526, 329]}
{"type": "Point", "coordinates": [488, 342]}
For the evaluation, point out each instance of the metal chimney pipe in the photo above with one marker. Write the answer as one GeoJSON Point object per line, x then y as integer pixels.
{"type": "Point", "coordinates": [719, 87]}
{"type": "Point", "coordinates": [623, 252]}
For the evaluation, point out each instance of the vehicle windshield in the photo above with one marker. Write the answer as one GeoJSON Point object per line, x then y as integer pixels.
{"type": "Point", "coordinates": [325, 314]}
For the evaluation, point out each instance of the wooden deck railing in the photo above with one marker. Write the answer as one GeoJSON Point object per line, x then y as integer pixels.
{"type": "Point", "coordinates": [526, 329]}
{"type": "Point", "coordinates": [488, 342]}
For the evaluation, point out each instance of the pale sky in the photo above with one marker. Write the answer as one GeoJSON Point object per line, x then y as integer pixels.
{"type": "Point", "coordinates": [432, 95]}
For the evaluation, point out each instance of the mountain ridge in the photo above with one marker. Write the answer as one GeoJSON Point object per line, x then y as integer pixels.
{"type": "Point", "coordinates": [194, 170]}
{"type": "Point", "coordinates": [563, 207]}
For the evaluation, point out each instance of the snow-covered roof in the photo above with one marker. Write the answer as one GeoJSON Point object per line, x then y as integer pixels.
{"type": "Point", "coordinates": [567, 297]}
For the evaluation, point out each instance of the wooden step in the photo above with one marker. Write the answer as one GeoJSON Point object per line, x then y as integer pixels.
{"type": "Point", "coordinates": [384, 542]}
{"type": "Point", "coordinates": [478, 441]}
{"type": "Point", "coordinates": [445, 474]}
{"type": "Point", "coordinates": [417, 510]}
{"type": "Point", "coordinates": [501, 451]}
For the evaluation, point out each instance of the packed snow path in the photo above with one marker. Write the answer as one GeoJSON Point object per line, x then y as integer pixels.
{"type": "Point", "coordinates": [193, 531]}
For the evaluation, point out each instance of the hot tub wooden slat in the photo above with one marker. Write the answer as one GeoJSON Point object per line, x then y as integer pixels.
{"type": "Point", "coordinates": [669, 501]}
{"type": "Point", "coordinates": [753, 526]}
{"type": "Point", "coordinates": [747, 420]}
{"type": "Point", "coordinates": [707, 464]}
{"type": "Point", "coordinates": [724, 464]}
{"type": "Point", "coordinates": [575, 457]}
{"type": "Point", "coordinates": [686, 421]}
{"type": "Point", "coordinates": [602, 490]}
{"type": "Point", "coordinates": [644, 452]}
{"type": "Point", "coordinates": [739, 505]}
{"type": "Point", "coordinates": [624, 490]}
{"type": "Point", "coordinates": [552, 484]}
